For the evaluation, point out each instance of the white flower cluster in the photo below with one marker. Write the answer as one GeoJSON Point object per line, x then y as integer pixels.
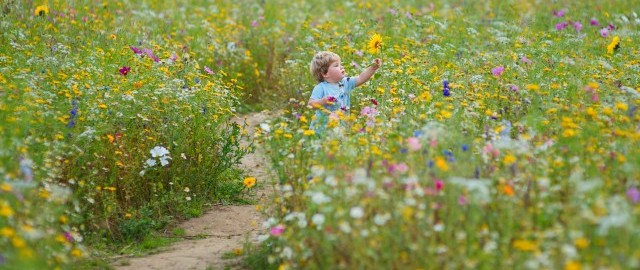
{"type": "Point", "coordinates": [158, 153]}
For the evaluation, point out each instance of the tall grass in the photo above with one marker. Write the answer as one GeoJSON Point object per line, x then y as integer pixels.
{"type": "Point", "coordinates": [115, 123]}
{"type": "Point", "coordinates": [530, 162]}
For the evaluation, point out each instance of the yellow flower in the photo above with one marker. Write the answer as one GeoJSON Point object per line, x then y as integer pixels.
{"type": "Point", "coordinates": [571, 265]}
{"type": "Point", "coordinates": [525, 245]}
{"type": "Point", "coordinates": [532, 87]}
{"type": "Point", "coordinates": [375, 44]}
{"type": "Point", "coordinates": [249, 182]}
{"type": "Point", "coordinates": [6, 211]}
{"type": "Point", "coordinates": [237, 251]}
{"type": "Point", "coordinates": [76, 253]}
{"type": "Point", "coordinates": [614, 45]}
{"type": "Point", "coordinates": [309, 132]}
{"type": "Point", "coordinates": [581, 243]}
{"type": "Point", "coordinates": [442, 164]}
{"type": "Point", "coordinates": [7, 232]}
{"type": "Point", "coordinates": [17, 242]}
{"type": "Point", "coordinates": [509, 159]}
{"type": "Point", "coordinates": [41, 10]}
{"type": "Point", "coordinates": [5, 187]}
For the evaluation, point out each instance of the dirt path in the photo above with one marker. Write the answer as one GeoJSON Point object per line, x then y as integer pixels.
{"type": "Point", "coordinates": [219, 230]}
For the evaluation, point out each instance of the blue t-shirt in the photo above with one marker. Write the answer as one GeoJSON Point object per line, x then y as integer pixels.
{"type": "Point", "coordinates": [342, 93]}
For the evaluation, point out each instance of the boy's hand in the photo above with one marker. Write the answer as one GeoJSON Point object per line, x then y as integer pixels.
{"type": "Point", "coordinates": [376, 63]}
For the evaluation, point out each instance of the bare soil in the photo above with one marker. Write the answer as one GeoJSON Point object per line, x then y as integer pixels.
{"type": "Point", "coordinates": [221, 230]}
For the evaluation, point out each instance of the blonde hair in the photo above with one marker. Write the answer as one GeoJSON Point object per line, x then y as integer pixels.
{"type": "Point", "coordinates": [320, 64]}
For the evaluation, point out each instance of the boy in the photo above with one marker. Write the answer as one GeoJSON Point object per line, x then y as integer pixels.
{"type": "Point", "coordinates": [333, 90]}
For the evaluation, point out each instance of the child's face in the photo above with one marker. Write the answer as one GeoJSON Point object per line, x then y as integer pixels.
{"type": "Point", "coordinates": [335, 73]}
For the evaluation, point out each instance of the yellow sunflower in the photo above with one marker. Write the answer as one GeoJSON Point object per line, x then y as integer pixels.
{"type": "Point", "coordinates": [375, 44]}
{"type": "Point", "coordinates": [41, 10]}
{"type": "Point", "coordinates": [615, 44]}
{"type": "Point", "coordinates": [249, 182]}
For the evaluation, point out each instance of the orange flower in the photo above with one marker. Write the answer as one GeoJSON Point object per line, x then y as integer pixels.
{"type": "Point", "coordinates": [249, 182]}
{"type": "Point", "coordinates": [507, 189]}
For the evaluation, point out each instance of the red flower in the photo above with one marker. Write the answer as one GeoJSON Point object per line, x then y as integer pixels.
{"type": "Point", "coordinates": [125, 70]}
{"type": "Point", "coordinates": [373, 100]}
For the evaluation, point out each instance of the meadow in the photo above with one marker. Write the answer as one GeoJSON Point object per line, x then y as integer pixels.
{"type": "Point", "coordinates": [496, 135]}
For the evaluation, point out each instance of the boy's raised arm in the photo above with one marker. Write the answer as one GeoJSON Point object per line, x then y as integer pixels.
{"type": "Point", "coordinates": [368, 72]}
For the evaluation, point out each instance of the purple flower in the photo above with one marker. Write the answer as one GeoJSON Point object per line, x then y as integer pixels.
{"type": "Point", "coordinates": [558, 13]}
{"type": "Point", "coordinates": [604, 32]}
{"type": "Point", "coordinates": [135, 50]}
{"type": "Point", "coordinates": [124, 70]}
{"type": "Point", "coordinates": [149, 53]}
{"type": "Point", "coordinates": [69, 237]}
{"type": "Point", "coordinates": [577, 26]}
{"type": "Point", "coordinates": [594, 22]}
{"type": "Point", "coordinates": [633, 195]}
{"type": "Point", "coordinates": [611, 27]}
{"type": "Point", "coordinates": [497, 71]}
{"type": "Point", "coordinates": [561, 26]}
{"type": "Point", "coordinates": [445, 89]}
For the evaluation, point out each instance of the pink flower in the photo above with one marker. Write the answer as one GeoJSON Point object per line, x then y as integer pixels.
{"type": "Point", "coordinates": [488, 149]}
{"type": "Point", "coordinates": [277, 230]}
{"type": "Point", "coordinates": [413, 143]}
{"type": "Point", "coordinates": [594, 22]}
{"type": "Point", "coordinates": [439, 185]}
{"type": "Point", "coordinates": [368, 111]}
{"type": "Point", "coordinates": [401, 167]}
{"type": "Point", "coordinates": [462, 200]}
{"type": "Point", "coordinates": [604, 32]}
{"type": "Point", "coordinates": [524, 59]}
{"type": "Point", "coordinates": [254, 23]}
{"type": "Point", "coordinates": [497, 71]}
{"type": "Point", "coordinates": [433, 143]}
{"type": "Point", "coordinates": [208, 70]}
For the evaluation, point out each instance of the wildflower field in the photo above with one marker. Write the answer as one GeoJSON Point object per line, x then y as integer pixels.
{"type": "Point", "coordinates": [496, 134]}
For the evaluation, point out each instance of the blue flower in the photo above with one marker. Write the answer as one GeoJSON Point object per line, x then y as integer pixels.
{"type": "Point", "coordinates": [445, 88]}
{"type": "Point", "coordinates": [465, 147]}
